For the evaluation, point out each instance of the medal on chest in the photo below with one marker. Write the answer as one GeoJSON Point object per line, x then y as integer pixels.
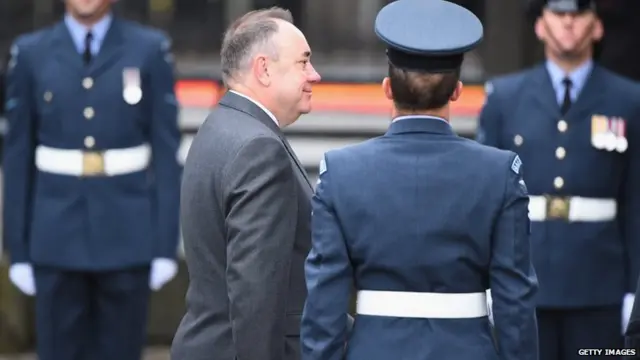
{"type": "Point", "coordinates": [609, 133]}
{"type": "Point", "coordinates": [131, 87]}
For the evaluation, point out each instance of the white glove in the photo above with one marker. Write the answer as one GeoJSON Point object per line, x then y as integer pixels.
{"type": "Point", "coordinates": [490, 306]}
{"type": "Point", "coordinates": [627, 306]}
{"type": "Point", "coordinates": [162, 271]}
{"type": "Point", "coordinates": [21, 275]}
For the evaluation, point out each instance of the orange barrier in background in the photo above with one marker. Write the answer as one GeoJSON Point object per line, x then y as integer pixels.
{"type": "Point", "coordinates": [359, 98]}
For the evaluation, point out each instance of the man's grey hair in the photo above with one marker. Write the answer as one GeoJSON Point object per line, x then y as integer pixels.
{"type": "Point", "coordinates": [247, 35]}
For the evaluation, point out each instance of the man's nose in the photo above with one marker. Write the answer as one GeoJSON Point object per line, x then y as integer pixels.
{"type": "Point", "coordinates": [568, 18]}
{"type": "Point", "coordinates": [314, 77]}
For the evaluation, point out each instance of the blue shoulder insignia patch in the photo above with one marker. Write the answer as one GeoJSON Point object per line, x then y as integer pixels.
{"type": "Point", "coordinates": [13, 58]}
{"type": "Point", "coordinates": [523, 186]}
{"type": "Point", "coordinates": [488, 88]}
{"type": "Point", "coordinates": [322, 169]}
{"type": "Point", "coordinates": [515, 165]}
{"type": "Point", "coordinates": [481, 135]}
{"type": "Point", "coordinates": [166, 44]}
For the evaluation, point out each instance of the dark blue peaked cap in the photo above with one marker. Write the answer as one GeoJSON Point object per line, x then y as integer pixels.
{"type": "Point", "coordinates": [534, 8]}
{"type": "Point", "coordinates": [570, 5]}
{"type": "Point", "coordinates": [427, 35]}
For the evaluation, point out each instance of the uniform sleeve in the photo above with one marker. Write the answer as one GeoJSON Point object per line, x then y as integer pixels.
{"type": "Point", "coordinates": [632, 334]}
{"type": "Point", "coordinates": [261, 222]}
{"type": "Point", "coordinates": [631, 211]}
{"type": "Point", "coordinates": [513, 280]}
{"type": "Point", "coordinates": [329, 277]}
{"type": "Point", "coordinates": [165, 141]}
{"type": "Point", "coordinates": [490, 119]}
{"type": "Point", "coordinates": [630, 200]}
{"type": "Point", "coordinates": [18, 156]}
{"type": "Point", "coordinates": [3, 83]}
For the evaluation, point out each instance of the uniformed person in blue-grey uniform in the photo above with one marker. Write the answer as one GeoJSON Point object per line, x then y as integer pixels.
{"type": "Point", "coordinates": [576, 126]}
{"type": "Point", "coordinates": [91, 180]}
{"type": "Point", "coordinates": [3, 77]}
{"type": "Point", "coordinates": [420, 221]}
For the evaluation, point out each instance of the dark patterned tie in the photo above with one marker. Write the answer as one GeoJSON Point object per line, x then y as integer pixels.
{"type": "Point", "coordinates": [86, 56]}
{"type": "Point", "coordinates": [566, 103]}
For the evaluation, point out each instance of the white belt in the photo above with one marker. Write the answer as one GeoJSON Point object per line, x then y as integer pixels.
{"type": "Point", "coordinates": [93, 163]}
{"type": "Point", "coordinates": [573, 208]}
{"type": "Point", "coordinates": [422, 305]}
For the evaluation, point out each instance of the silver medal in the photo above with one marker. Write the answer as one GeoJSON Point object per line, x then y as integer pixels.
{"type": "Point", "coordinates": [132, 95]}
{"type": "Point", "coordinates": [610, 142]}
{"type": "Point", "coordinates": [131, 91]}
{"type": "Point", "coordinates": [622, 144]}
{"type": "Point", "coordinates": [599, 140]}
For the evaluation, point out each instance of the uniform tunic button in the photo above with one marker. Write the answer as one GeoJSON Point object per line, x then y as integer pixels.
{"type": "Point", "coordinates": [558, 182]}
{"type": "Point", "coordinates": [89, 142]}
{"type": "Point", "coordinates": [518, 140]}
{"type": "Point", "coordinates": [48, 96]}
{"type": "Point", "coordinates": [561, 153]}
{"type": "Point", "coordinates": [562, 126]}
{"type": "Point", "coordinates": [87, 83]}
{"type": "Point", "coordinates": [89, 113]}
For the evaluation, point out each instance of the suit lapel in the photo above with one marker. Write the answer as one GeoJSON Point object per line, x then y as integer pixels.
{"type": "Point", "coordinates": [248, 107]}
{"type": "Point", "coordinates": [110, 50]}
{"type": "Point", "coordinates": [64, 49]}
{"type": "Point", "coordinates": [296, 160]}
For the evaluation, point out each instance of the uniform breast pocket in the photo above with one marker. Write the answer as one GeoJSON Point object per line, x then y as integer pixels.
{"type": "Point", "coordinates": [49, 91]}
{"type": "Point", "coordinates": [48, 108]}
{"type": "Point", "coordinates": [45, 101]}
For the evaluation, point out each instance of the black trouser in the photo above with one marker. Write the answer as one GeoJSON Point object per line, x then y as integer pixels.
{"type": "Point", "coordinates": [91, 316]}
{"type": "Point", "coordinates": [562, 332]}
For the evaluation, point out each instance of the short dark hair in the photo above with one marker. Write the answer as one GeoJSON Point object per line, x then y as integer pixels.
{"type": "Point", "coordinates": [252, 29]}
{"type": "Point", "coordinates": [415, 91]}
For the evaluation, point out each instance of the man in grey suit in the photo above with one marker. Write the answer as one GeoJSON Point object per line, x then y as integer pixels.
{"type": "Point", "coordinates": [246, 201]}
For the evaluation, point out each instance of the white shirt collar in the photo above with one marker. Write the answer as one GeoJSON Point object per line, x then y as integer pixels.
{"type": "Point", "coordinates": [259, 105]}
{"type": "Point", "coordinates": [404, 117]}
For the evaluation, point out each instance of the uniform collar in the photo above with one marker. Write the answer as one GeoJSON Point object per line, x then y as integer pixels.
{"type": "Point", "coordinates": [79, 32]}
{"type": "Point", "coordinates": [420, 123]}
{"type": "Point", "coordinates": [578, 76]}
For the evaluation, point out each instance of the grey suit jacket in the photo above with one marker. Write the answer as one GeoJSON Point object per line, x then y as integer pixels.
{"type": "Point", "coordinates": [245, 216]}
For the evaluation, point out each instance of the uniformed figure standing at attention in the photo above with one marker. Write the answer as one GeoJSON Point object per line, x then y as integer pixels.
{"type": "Point", "coordinates": [91, 179]}
{"type": "Point", "coordinates": [3, 76]}
{"type": "Point", "coordinates": [421, 221]}
{"type": "Point", "coordinates": [575, 126]}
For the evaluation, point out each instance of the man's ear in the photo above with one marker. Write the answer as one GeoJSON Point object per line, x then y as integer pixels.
{"type": "Point", "coordinates": [386, 88]}
{"type": "Point", "coordinates": [540, 29]}
{"type": "Point", "coordinates": [260, 69]}
{"type": "Point", "coordinates": [457, 92]}
{"type": "Point", "coordinates": [598, 31]}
